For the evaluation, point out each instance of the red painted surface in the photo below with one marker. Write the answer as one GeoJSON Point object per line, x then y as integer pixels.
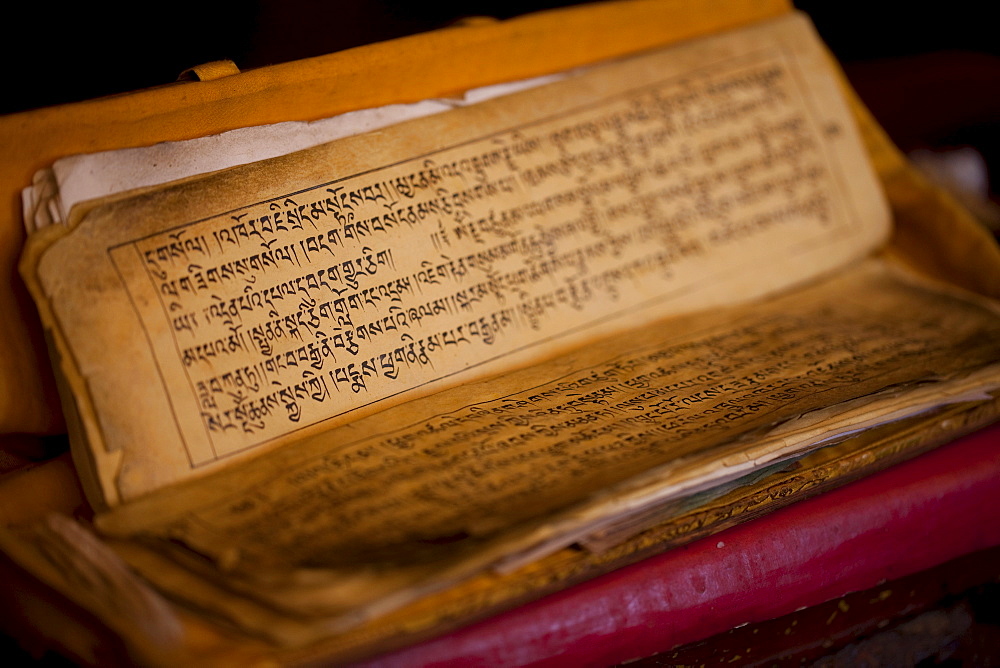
{"type": "Point", "coordinates": [909, 518]}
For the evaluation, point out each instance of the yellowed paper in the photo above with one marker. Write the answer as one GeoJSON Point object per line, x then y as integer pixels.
{"type": "Point", "coordinates": [369, 516]}
{"type": "Point", "coordinates": [277, 300]}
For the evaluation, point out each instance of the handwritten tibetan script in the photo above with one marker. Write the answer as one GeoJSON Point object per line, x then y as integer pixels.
{"type": "Point", "coordinates": [293, 310]}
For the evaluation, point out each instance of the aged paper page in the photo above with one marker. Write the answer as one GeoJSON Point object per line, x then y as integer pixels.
{"type": "Point", "coordinates": [276, 300]}
{"type": "Point", "coordinates": [368, 516]}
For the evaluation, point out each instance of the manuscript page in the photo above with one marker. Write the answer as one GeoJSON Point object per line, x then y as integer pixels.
{"type": "Point", "coordinates": [374, 514]}
{"type": "Point", "coordinates": [221, 316]}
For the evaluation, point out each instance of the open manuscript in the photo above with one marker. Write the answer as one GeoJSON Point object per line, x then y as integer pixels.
{"type": "Point", "coordinates": [309, 391]}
